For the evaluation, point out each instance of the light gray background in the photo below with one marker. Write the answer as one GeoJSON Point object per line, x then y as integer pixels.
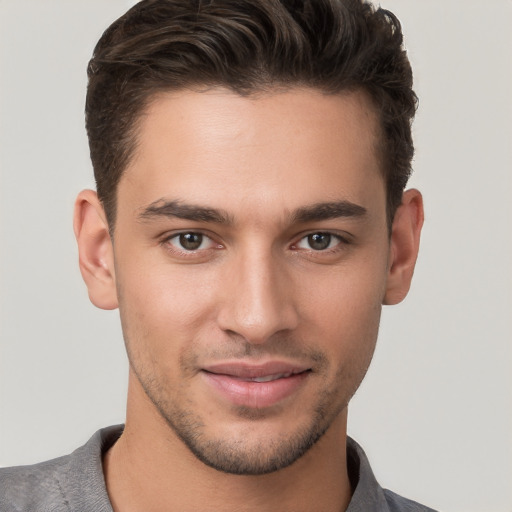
{"type": "Point", "coordinates": [434, 413]}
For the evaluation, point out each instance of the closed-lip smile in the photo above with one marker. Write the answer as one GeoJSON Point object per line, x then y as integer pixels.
{"type": "Point", "coordinates": [256, 385]}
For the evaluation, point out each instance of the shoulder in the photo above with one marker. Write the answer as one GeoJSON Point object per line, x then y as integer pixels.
{"type": "Point", "coordinates": [368, 495]}
{"type": "Point", "coordinates": [35, 487]}
{"type": "Point", "coordinates": [70, 483]}
{"type": "Point", "coordinates": [398, 503]}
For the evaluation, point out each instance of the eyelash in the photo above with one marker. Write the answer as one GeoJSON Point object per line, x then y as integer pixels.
{"type": "Point", "coordinates": [342, 241]}
{"type": "Point", "coordinates": [183, 252]}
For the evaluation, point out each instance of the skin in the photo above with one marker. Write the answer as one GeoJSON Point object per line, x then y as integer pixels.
{"type": "Point", "coordinates": [257, 288]}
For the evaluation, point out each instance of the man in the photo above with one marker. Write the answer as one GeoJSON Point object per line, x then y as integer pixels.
{"type": "Point", "coordinates": [249, 222]}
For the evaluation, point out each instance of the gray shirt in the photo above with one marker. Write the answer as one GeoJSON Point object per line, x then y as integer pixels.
{"type": "Point", "coordinates": [75, 482]}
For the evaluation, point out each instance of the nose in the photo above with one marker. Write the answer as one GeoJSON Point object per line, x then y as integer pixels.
{"type": "Point", "coordinates": [259, 300]}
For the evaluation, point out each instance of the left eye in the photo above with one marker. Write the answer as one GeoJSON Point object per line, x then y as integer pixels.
{"type": "Point", "coordinates": [190, 241]}
{"type": "Point", "coordinates": [319, 241]}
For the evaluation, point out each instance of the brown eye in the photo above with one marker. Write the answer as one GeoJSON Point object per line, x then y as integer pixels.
{"type": "Point", "coordinates": [319, 241]}
{"type": "Point", "coordinates": [190, 244]}
{"type": "Point", "coordinates": [190, 241]}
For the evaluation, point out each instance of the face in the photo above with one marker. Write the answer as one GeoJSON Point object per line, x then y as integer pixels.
{"type": "Point", "coordinates": [251, 260]}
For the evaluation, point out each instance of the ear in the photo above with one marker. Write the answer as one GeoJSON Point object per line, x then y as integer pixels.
{"type": "Point", "coordinates": [95, 250]}
{"type": "Point", "coordinates": [404, 246]}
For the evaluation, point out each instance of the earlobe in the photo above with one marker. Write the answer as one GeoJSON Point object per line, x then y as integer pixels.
{"type": "Point", "coordinates": [96, 254]}
{"type": "Point", "coordinates": [404, 246]}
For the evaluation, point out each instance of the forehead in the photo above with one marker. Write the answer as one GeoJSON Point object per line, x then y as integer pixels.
{"type": "Point", "coordinates": [285, 148]}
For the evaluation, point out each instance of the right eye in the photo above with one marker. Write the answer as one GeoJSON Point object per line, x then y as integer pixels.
{"type": "Point", "coordinates": [190, 241]}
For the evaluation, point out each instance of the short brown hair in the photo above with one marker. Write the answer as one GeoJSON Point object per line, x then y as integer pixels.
{"type": "Point", "coordinates": [247, 46]}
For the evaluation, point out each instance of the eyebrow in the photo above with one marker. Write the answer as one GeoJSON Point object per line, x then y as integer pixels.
{"type": "Point", "coordinates": [180, 210]}
{"type": "Point", "coordinates": [330, 210]}
{"type": "Point", "coordinates": [192, 212]}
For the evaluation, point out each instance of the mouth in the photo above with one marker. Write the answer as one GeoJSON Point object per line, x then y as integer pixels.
{"type": "Point", "coordinates": [255, 386]}
{"type": "Point", "coordinates": [266, 378]}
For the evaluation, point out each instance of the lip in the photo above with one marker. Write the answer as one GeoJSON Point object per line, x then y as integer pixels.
{"type": "Point", "coordinates": [255, 385]}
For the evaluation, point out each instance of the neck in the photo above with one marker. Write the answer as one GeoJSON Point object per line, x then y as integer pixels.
{"type": "Point", "coordinates": [150, 469]}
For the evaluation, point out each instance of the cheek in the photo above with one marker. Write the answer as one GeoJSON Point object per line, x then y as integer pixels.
{"type": "Point", "coordinates": [345, 311]}
{"type": "Point", "coordinates": [162, 309]}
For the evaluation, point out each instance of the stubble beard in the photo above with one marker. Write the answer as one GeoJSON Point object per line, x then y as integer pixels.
{"type": "Point", "coordinates": [245, 456]}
